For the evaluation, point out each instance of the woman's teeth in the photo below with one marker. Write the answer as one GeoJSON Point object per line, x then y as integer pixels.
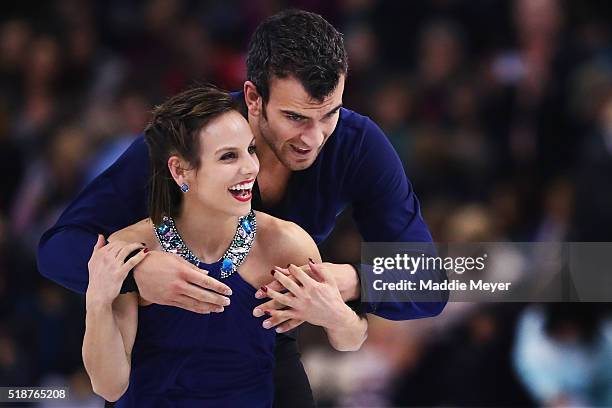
{"type": "Point", "coordinates": [242, 192]}
{"type": "Point", "coordinates": [243, 186]}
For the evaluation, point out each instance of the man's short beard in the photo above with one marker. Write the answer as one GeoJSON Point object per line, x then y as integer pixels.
{"type": "Point", "coordinates": [278, 153]}
{"type": "Point", "coordinates": [265, 131]}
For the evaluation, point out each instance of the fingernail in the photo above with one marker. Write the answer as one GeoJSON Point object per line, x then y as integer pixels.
{"type": "Point", "coordinates": [272, 272]}
{"type": "Point", "coordinates": [264, 289]}
{"type": "Point", "coordinates": [267, 324]}
{"type": "Point", "coordinates": [226, 302]}
{"type": "Point", "coordinates": [258, 312]}
{"type": "Point", "coordinates": [146, 250]}
{"type": "Point", "coordinates": [279, 330]}
{"type": "Point", "coordinates": [311, 261]}
{"type": "Point", "coordinates": [228, 292]}
{"type": "Point", "coordinates": [258, 294]}
{"type": "Point", "coordinates": [219, 309]}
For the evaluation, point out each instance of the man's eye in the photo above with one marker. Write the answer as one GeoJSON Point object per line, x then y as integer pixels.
{"type": "Point", "coordinates": [332, 114]}
{"type": "Point", "coordinates": [295, 118]}
{"type": "Point", "coordinates": [252, 149]}
{"type": "Point", "coordinates": [228, 156]}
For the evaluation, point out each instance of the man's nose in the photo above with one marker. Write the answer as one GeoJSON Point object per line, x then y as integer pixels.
{"type": "Point", "coordinates": [313, 137]}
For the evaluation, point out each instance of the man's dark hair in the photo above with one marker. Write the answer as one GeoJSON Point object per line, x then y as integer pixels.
{"type": "Point", "coordinates": [174, 130]}
{"type": "Point", "coordinates": [299, 44]}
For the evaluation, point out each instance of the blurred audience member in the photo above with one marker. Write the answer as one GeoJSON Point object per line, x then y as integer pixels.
{"type": "Point", "coordinates": [563, 354]}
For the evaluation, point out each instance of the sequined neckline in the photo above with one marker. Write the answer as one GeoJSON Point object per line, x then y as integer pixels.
{"type": "Point", "coordinates": [234, 256]}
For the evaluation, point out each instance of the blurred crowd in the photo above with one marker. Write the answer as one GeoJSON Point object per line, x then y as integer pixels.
{"type": "Point", "coordinates": [501, 112]}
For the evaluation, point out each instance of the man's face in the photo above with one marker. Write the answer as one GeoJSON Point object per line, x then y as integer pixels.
{"type": "Point", "coordinates": [296, 126]}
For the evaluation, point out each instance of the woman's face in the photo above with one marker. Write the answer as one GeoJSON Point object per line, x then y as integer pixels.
{"type": "Point", "coordinates": [228, 167]}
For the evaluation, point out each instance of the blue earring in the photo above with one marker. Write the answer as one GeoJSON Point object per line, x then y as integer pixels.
{"type": "Point", "coordinates": [184, 187]}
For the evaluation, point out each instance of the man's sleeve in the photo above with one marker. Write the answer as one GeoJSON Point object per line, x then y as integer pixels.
{"type": "Point", "coordinates": [113, 200]}
{"type": "Point", "coordinates": [386, 209]}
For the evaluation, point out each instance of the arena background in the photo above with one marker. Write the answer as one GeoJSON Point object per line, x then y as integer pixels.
{"type": "Point", "coordinates": [500, 110]}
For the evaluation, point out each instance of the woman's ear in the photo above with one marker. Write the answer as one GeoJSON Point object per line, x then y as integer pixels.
{"type": "Point", "coordinates": [179, 169]}
{"type": "Point", "coordinates": [252, 98]}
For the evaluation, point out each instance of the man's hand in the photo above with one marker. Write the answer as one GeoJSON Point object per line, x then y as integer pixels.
{"type": "Point", "coordinates": [168, 279]}
{"type": "Point", "coordinates": [312, 297]}
{"type": "Point", "coordinates": [344, 275]}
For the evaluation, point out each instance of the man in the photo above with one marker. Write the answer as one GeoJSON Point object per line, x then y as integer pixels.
{"type": "Point", "coordinates": [316, 158]}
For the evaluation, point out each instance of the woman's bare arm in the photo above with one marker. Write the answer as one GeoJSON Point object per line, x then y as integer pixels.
{"type": "Point", "coordinates": [111, 320]}
{"type": "Point", "coordinates": [110, 331]}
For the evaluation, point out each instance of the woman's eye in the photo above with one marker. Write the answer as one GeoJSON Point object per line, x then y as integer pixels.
{"type": "Point", "coordinates": [228, 156]}
{"type": "Point", "coordinates": [252, 149]}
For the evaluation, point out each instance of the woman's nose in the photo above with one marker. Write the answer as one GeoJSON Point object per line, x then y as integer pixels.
{"type": "Point", "coordinates": [250, 166]}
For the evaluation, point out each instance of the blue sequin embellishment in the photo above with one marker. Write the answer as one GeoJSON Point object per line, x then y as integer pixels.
{"type": "Point", "coordinates": [246, 226]}
{"type": "Point", "coordinates": [227, 265]}
{"type": "Point", "coordinates": [235, 255]}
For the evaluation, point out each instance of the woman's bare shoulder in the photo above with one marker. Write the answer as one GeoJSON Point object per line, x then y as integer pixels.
{"type": "Point", "coordinates": [270, 228]}
{"type": "Point", "coordinates": [142, 231]}
{"type": "Point", "coordinates": [285, 240]}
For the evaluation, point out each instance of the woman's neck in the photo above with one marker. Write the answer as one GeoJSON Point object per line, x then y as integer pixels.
{"type": "Point", "coordinates": [206, 233]}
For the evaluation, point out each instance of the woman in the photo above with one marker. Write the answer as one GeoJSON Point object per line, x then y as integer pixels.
{"type": "Point", "coordinates": [203, 170]}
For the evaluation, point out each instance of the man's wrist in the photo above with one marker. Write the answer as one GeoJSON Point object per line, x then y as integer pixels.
{"type": "Point", "coordinates": [344, 320]}
{"type": "Point", "coordinates": [351, 290]}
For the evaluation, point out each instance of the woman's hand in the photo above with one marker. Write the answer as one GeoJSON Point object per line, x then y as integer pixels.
{"type": "Point", "coordinates": [107, 270]}
{"type": "Point", "coordinates": [344, 275]}
{"type": "Point", "coordinates": [317, 301]}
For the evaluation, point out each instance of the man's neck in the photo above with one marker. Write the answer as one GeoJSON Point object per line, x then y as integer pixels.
{"type": "Point", "coordinates": [269, 165]}
{"type": "Point", "coordinates": [206, 233]}
{"type": "Point", "coordinates": [272, 180]}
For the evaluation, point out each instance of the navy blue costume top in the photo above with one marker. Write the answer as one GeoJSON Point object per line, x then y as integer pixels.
{"type": "Point", "coordinates": [357, 166]}
{"type": "Point", "coordinates": [186, 359]}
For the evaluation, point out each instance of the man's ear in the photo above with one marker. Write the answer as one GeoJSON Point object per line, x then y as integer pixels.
{"type": "Point", "coordinates": [179, 169]}
{"type": "Point", "coordinates": [253, 99]}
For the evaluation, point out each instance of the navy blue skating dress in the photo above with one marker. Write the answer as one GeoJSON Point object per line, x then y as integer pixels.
{"type": "Point", "coordinates": [185, 359]}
